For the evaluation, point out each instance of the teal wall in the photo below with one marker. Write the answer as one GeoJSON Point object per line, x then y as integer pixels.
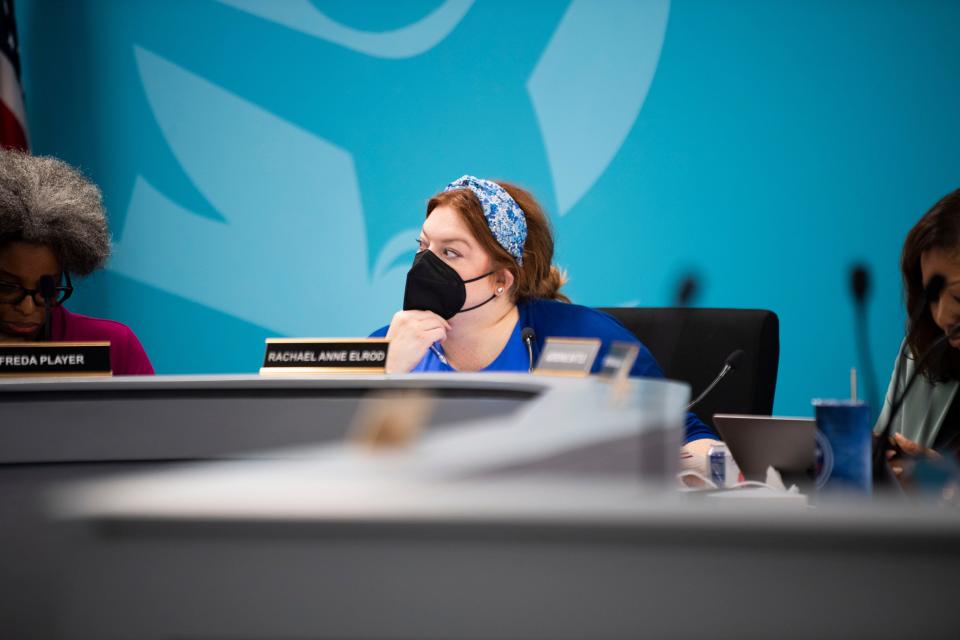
{"type": "Point", "coordinates": [266, 164]}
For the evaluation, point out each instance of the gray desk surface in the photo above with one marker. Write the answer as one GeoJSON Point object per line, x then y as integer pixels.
{"type": "Point", "coordinates": [345, 543]}
{"type": "Point", "coordinates": [56, 431]}
{"type": "Point", "coordinates": [502, 381]}
{"type": "Point", "coordinates": [283, 549]}
{"type": "Point", "coordinates": [166, 418]}
{"type": "Point", "coordinates": [347, 485]}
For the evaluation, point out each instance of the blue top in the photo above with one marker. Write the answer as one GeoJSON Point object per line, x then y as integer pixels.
{"type": "Point", "coordinates": [514, 356]}
{"type": "Point", "coordinates": [553, 318]}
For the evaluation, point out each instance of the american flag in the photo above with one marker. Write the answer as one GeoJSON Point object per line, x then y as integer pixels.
{"type": "Point", "coordinates": [13, 117]}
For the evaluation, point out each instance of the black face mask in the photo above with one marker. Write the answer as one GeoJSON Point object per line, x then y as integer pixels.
{"type": "Point", "coordinates": [433, 285]}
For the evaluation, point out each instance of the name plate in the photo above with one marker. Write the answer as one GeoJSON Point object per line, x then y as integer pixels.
{"type": "Point", "coordinates": [294, 356]}
{"type": "Point", "coordinates": [567, 357]}
{"type": "Point", "coordinates": [55, 359]}
{"type": "Point", "coordinates": [619, 359]}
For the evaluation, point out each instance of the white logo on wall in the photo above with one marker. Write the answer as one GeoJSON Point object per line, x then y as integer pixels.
{"type": "Point", "coordinates": [292, 234]}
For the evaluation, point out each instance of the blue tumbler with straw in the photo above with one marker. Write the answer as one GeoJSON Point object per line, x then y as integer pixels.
{"type": "Point", "coordinates": [846, 443]}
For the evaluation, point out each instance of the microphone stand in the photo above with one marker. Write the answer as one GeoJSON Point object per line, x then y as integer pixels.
{"type": "Point", "coordinates": [860, 288]}
{"type": "Point", "coordinates": [728, 365]}
{"type": "Point", "coordinates": [528, 337]}
{"type": "Point", "coordinates": [931, 294]}
{"type": "Point", "coordinates": [883, 444]}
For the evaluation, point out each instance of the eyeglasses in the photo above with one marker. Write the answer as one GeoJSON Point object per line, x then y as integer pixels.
{"type": "Point", "coordinates": [14, 294]}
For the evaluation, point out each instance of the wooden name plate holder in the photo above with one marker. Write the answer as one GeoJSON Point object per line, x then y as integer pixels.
{"type": "Point", "coordinates": [298, 356]}
{"type": "Point", "coordinates": [54, 359]}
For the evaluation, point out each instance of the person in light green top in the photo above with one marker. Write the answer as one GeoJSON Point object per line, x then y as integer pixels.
{"type": "Point", "coordinates": [929, 420]}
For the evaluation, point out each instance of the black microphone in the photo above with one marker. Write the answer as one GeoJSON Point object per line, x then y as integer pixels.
{"type": "Point", "coordinates": [731, 363]}
{"type": "Point", "coordinates": [528, 337]}
{"type": "Point", "coordinates": [860, 288]}
{"type": "Point", "coordinates": [687, 290]}
{"type": "Point", "coordinates": [931, 294]}
{"type": "Point", "coordinates": [860, 283]}
{"type": "Point", "coordinates": [47, 287]}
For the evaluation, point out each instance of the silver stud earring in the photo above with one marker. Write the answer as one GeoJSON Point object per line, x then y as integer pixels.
{"type": "Point", "coordinates": [499, 290]}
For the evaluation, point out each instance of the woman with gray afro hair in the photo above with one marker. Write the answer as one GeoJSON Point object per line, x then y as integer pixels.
{"type": "Point", "coordinates": [44, 200]}
{"type": "Point", "coordinates": [52, 224]}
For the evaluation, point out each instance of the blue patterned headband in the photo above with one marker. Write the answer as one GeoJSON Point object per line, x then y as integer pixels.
{"type": "Point", "coordinates": [504, 216]}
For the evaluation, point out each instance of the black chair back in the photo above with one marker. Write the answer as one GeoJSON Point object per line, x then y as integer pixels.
{"type": "Point", "coordinates": [692, 344]}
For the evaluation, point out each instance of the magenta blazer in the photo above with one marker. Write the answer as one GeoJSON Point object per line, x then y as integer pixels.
{"type": "Point", "coordinates": [127, 356]}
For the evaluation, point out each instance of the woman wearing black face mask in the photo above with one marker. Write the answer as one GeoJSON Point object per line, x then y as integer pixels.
{"type": "Point", "coordinates": [483, 274]}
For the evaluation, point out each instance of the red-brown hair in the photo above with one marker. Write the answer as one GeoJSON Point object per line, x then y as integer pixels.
{"type": "Point", "coordinates": [537, 277]}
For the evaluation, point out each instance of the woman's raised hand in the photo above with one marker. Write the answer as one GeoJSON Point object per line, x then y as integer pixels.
{"type": "Point", "coordinates": [410, 334]}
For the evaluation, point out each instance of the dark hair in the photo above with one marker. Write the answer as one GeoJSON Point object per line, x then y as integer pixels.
{"type": "Point", "coordinates": [939, 228]}
{"type": "Point", "coordinates": [44, 200]}
{"type": "Point", "coordinates": [538, 277]}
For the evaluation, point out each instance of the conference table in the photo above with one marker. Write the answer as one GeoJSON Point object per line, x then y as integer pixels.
{"type": "Point", "coordinates": [60, 432]}
{"type": "Point", "coordinates": [531, 507]}
{"type": "Point", "coordinates": [183, 418]}
{"type": "Point", "coordinates": [352, 548]}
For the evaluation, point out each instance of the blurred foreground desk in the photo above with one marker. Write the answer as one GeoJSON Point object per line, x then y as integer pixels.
{"type": "Point", "coordinates": [61, 432]}
{"type": "Point", "coordinates": [293, 550]}
{"type": "Point", "coordinates": [530, 527]}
